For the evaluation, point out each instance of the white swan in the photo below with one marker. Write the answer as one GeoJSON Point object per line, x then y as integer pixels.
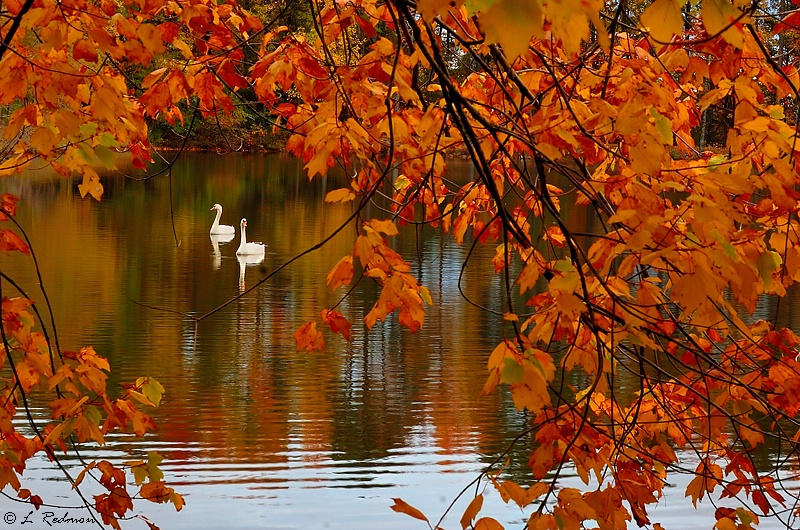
{"type": "Point", "coordinates": [249, 249]}
{"type": "Point", "coordinates": [217, 228]}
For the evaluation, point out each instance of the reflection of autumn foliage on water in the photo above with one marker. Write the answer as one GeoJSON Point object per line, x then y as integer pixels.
{"type": "Point", "coordinates": [626, 342]}
{"type": "Point", "coordinates": [83, 408]}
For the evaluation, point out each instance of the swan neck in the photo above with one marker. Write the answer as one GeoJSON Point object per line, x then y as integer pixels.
{"type": "Point", "coordinates": [243, 244]}
{"type": "Point", "coordinates": [216, 219]}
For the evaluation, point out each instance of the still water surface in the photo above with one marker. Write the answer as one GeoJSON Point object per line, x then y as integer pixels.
{"type": "Point", "coordinates": [255, 434]}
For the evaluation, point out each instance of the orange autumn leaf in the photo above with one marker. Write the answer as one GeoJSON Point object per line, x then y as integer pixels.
{"type": "Point", "coordinates": [159, 492]}
{"type": "Point", "coordinates": [10, 241]}
{"type": "Point", "coordinates": [8, 203]}
{"type": "Point", "coordinates": [487, 523]}
{"type": "Point", "coordinates": [341, 273]}
{"type": "Point", "coordinates": [340, 195]}
{"type": "Point", "coordinates": [402, 506]}
{"type": "Point", "coordinates": [308, 338]}
{"type": "Point", "coordinates": [472, 510]}
{"type": "Point", "coordinates": [383, 226]}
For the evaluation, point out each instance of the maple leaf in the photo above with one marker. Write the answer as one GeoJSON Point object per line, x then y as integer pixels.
{"type": "Point", "coordinates": [337, 322]}
{"type": "Point", "coordinates": [487, 523]}
{"type": "Point", "coordinates": [308, 338]}
{"type": "Point", "coordinates": [151, 389]}
{"type": "Point", "coordinates": [719, 17]}
{"type": "Point", "coordinates": [341, 273]}
{"type": "Point", "coordinates": [8, 203]}
{"type": "Point", "coordinates": [10, 241]}
{"type": "Point", "coordinates": [663, 19]}
{"type": "Point", "coordinates": [340, 195]}
{"type": "Point", "coordinates": [471, 511]}
{"type": "Point", "coordinates": [512, 23]}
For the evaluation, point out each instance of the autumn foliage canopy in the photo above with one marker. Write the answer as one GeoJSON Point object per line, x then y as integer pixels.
{"type": "Point", "coordinates": [673, 126]}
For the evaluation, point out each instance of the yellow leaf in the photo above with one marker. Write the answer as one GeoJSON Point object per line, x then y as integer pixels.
{"type": "Point", "coordinates": [150, 79]}
{"type": "Point", "coordinates": [528, 277]}
{"type": "Point", "coordinates": [363, 249]}
{"type": "Point", "coordinates": [44, 140]}
{"type": "Point", "coordinates": [502, 350]}
{"type": "Point", "coordinates": [768, 263]}
{"type": "Point", "coordinates": [573, 501]}
{"type": "Point", "coordinates": [663, 19]}
{"type": "Point", "coordinates": [385, 227]}
{"type": "Point", "coordinates": [430, 9]}
{"type": "Point", "coordinates": [663, 126]}
{"type": "Point", "coordinates": [151, 388]}
{"type": "Point", "coordinates": [719, 15]}
{"type": "Point", "coordinates": [340, 195]}
{"type": "Point", "coordinates": [510, 490]}
{"type": "Point", "coordinates": [447, 219]}
{"type": "Point", "coordinates": [341, 273]}
{"type": "Point", "coordinates": [512, 23]}
{"type": "Point", "coordinates": [531, 393]}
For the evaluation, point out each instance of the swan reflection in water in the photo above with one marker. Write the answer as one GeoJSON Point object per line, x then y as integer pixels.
{"type": "Point", "coordinates": [246, 260]}
{"type": "Point", "coordinates": [216, 239]}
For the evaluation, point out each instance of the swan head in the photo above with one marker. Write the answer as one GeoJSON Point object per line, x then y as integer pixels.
{"type": "Point", "coordinates": [216, 207]}
{"type": "Point", "coordinates": [243, 223]}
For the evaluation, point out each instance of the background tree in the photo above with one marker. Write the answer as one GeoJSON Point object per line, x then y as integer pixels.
{"type": "Point", "coordinates": [677, 282]}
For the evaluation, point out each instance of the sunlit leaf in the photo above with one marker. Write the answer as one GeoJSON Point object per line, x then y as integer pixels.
{"type": "Point", "coordinates": [663, 20]}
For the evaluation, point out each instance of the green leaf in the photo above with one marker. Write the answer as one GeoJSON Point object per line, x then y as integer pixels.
{"type": "Point", "coordinates": [106, 156]}
{"type": "Point", "coordinates": [107, 140]}
{"type": "Point", "coordinates": [151, 389]}
{"type": "Point", "coordinates": [511, 372]}
{"type": "Point", "coordinates": [153, 461]}
{"type": "Point", "coordinates": [768, 262]}
{"type": "Point", "coordinates": [663, 126]}
{"type": "Point", "coordinates": [93, 415]}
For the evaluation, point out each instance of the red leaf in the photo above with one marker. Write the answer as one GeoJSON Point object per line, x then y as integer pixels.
{"type": "Point", "coordinates": [337, 322]}
{"type": "Point", "coordinates": [311, 68]}
{"type": "Point", "coordinates": [309, 338]}
{"type": "Point", "coordinates": [84, 49]}
{"type": "Point", "coordinates": [789, 22]}
{"type": "Point", "coordinates": [11, 241]}
{"type": "Point", "coordinates": [9, 205]}
{"type": "Point", "coordinates": [761, 501]}
{"type": "Point", "coordinates": [366, 27]}
{"type": "Point", "coordinates": [285, 109]}
{"type": "Point", "coordinates": [205, 87]}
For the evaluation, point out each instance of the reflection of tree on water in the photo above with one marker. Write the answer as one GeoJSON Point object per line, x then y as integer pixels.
{"type": "Point", "coordinates": [216, 239]}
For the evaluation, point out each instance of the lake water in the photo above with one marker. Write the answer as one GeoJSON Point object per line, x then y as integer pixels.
{"type": "Point", "coordinates": [255, 434]}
